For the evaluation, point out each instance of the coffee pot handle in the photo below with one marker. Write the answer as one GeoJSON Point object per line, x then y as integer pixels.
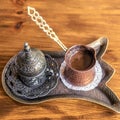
{"type": "Point", "coordinates": [100, 46]}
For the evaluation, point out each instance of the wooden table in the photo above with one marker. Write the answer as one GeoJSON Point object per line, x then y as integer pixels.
{"type": "Point", "coordinates": [75, 22]}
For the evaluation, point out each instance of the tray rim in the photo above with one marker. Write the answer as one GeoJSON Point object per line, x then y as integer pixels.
{"type": "Point", "coordinates": [53, 97]}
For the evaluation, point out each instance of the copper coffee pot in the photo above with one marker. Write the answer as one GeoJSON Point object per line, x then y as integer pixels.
{"type": "Point", "coordinates": [80, 65]}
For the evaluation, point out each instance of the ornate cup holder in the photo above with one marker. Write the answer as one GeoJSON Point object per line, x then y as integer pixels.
{"type": "Point", "coordinates": [56, 88]}
{"type": "Point", "coordinates": [21, 92]}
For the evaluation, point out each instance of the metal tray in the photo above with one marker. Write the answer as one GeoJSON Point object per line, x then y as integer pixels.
{"type": "Point", "coordinates": [102, 94]}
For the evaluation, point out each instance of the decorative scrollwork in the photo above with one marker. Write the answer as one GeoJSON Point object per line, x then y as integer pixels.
{"type": "Point", "coordinates": [18, 88]}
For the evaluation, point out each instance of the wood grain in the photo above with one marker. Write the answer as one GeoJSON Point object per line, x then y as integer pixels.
{"type": "Point", "coordinates": [75, 22]}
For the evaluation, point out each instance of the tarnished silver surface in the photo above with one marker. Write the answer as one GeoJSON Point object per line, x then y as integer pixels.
{"type": "Point", "coordinates": [16, 87]}
{"type": "Point", "coordinates": [30, 65]}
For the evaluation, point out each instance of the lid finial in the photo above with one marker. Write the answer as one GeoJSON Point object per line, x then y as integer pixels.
{"type": "Point", "coordinates": [26, 47]}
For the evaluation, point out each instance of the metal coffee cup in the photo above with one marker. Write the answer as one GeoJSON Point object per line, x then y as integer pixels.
{"type": "Point", "coordinates": [31, 66]}
{"type": "Point", "coordinates": [80, 65]}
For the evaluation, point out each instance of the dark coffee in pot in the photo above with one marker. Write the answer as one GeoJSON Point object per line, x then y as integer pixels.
{"type": "Point", "coordinates": [81, 60]}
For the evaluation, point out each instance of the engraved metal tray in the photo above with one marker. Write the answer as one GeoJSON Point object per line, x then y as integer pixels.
{"type": "Point", "coordinates": [102, 94]}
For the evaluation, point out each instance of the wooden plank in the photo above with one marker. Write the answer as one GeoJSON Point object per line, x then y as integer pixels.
{"type": "Point", "coordinates": [75, 22]}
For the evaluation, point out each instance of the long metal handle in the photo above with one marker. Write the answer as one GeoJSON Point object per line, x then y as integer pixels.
{"type": "Point", "coordinates": [45, 27]}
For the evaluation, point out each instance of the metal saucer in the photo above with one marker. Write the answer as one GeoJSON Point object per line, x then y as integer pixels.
{"type": "Point", "coordinates": [18, 91]}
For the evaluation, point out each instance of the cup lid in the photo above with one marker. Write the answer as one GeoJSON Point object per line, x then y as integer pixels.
{"type": "Point", "coordinates": [30, 61]}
